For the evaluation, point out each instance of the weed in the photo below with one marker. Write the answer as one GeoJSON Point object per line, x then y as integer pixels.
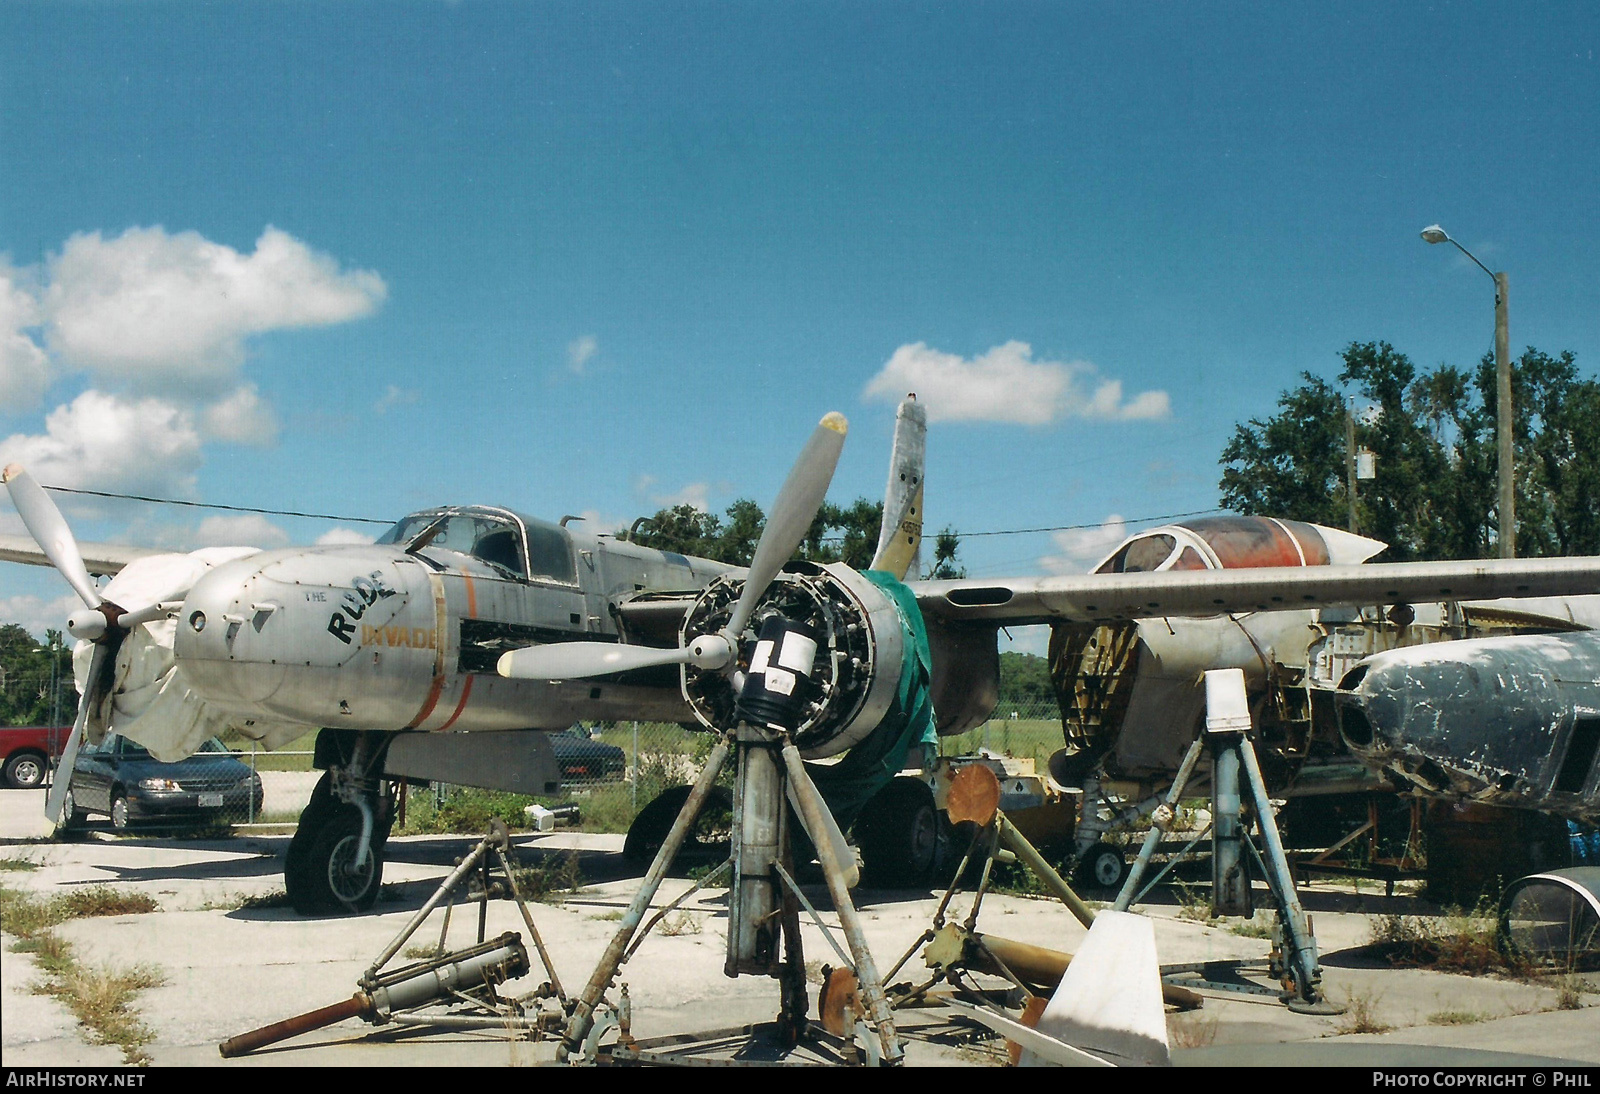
{"type": "Point", "coordinates": [1569, 993]}
{"type": "Point", "coordinates": [549, 880]}
{"type": "Point", "coordinates": [100, 998]}
{"type": "Point", "coordinates": [700, 873]}
{"type": "Point", "coordinates": [1455, 1018]}
{"type": "Point", "coordinates": [1257, 926]}
{"type": "Point", "coordinates": [420, 953]}
{"type": "Point", "coordinates": [1192, 1031]}
{"type": "Point", "coordinates": [17, 864]}
{"type": "Point", "coordinates": [1362, 1016]}
{"type": "Point", "coordinates": [1456, 942]}
{"type": "Point", "coordinates": [103, 900]}
{"type": "Point", "coordinates": [611, 916]}
{"type": "Point", "coordinates": [682, 923]}
{"type": "Point", "coordinates": [1192, 905]}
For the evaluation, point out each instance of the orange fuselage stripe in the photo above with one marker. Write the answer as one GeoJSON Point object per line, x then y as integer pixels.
{"type": "Point", "coordinates": [466, 692]}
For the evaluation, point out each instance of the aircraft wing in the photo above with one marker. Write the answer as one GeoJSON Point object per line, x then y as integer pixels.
{"type": "Point", "coordinates": [98, 558]}
{"type": "Point", "coordinates": [1110, 598]}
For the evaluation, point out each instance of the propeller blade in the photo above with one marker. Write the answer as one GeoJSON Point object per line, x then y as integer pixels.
{"type": "Point", "coordinates": [49, 530]}
{"type": "Point", "coordinates": [577, 660]}
{"type": "Point", "coordinates": [798, 500]}
{"type": "Point", "coordinates": [69, 754]}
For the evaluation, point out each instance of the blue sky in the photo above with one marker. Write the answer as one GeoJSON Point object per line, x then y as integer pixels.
{"type": "Point", "coordinates": [592, 258]}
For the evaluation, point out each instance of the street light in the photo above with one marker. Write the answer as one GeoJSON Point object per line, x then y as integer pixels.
{"type": "Point", "coordinates": [1502, 360]}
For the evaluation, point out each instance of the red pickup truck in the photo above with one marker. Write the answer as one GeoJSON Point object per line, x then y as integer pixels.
{"type": "Point", "coordinates": [29, 751]}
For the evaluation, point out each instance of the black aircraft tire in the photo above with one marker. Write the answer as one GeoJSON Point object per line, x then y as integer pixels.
{"type": "Point", "coordinates": [304, 893]}
{"type": "Point", "coordinates": [1102, 867]}
{"type": "Point", "coordinates": [707, 842]}
{"type": "Point", "coordinates": [902, 837]}
{"type": "Point", "coordinates": [328, 882]}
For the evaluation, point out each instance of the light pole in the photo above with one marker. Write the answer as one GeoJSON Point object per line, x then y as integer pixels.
{"type": "Point", "coordinates": [1502, 361]}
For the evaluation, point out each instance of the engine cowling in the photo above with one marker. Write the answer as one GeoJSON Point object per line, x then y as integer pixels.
{"type": "Point", "coordinates": [860, 653]}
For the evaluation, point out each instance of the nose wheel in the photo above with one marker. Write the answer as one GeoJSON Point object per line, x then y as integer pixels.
{"type": "Point", "coordinates": [325, 871]}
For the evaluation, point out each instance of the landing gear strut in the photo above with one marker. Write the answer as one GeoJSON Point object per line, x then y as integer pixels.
{"type": "Point", "coordinates": [335, 860]}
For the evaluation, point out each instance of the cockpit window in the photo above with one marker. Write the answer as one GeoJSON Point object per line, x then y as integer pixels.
{"type": "Point", "coordinates": [1141, 556]}
{"type": "Point", "coordinates": [494, 540]}
{"type": "Point", "coordinates": [549, 555]}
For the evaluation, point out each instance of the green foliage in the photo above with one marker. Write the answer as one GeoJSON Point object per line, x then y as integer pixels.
{"type": "Point", "coordinates": [847, 534]}
{"type": "Point", "coordinates": [1024, 683]}
{"type": "Point", "coordinates": [1433, 434]}
{"type": "Point", "coordinates": [28, 688]}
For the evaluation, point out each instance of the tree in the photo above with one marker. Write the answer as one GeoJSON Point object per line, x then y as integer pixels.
{"type": "Point", "coordinates": [31, 690]}
{"type": "Point", "coordinates": [847, 534]}
{"type": "Point", "coordinates": [1434, 437]}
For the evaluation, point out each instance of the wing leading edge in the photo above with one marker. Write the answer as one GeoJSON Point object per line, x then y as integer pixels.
{"type": "Point", "coordinates": [1109, 598]}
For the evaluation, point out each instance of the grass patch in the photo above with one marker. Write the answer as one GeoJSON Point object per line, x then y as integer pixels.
{"type": "Point", "coordinates": [1257, 926]}
{"type": "Point", "coordinates": [1362, 1016]}
{"type": "Point", "coordinates": [100, 998]}
{"type": "Point", "coordinates": [551, 880]}
{"type": "Point", "coordinates": [7, 864]}
{"type": "Point", "coordinates": [681, 923]}
{"type": "Point", "coordinates": [243, 902]}
{"type": "Point", "coordinates": [1193, 904]}
{"type": "Point", "coordinates": [103, 900]}
{"type": "Point", "coordinates": [1455, 942]}
{"type": "Point", "coordinates": [1569, 993]}
{"type": "Point", "coordinates": [1455, 1018]}
{"type": "Point", "coordinates": [1192, 1031]}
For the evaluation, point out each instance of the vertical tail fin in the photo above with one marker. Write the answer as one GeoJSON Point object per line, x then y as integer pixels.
{"type": "Point", "coordinates": [900, 538]}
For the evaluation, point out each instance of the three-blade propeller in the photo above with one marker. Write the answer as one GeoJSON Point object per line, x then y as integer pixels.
{"type": "Point", "coordinates": [99, 621]}
{"type": "Point", "coordinates": [796, 506]}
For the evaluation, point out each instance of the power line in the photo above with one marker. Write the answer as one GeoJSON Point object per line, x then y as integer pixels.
{"type": "Point", "coordinates": [1092, 524]}
{"type": "Point", "coordinates": [214, 505]}
{"type": "Point", "coordinates": [375, 520]}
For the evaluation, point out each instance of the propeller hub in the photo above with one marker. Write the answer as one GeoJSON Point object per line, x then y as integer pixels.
{"type": "Point", "coordinates": [88, 624]}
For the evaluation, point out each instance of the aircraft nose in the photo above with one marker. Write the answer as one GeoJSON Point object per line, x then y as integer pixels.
{"type": "Point", "coordinates": [220, 609]}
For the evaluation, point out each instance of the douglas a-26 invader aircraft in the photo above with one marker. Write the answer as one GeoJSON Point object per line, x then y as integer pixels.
{"type": "Point", "coordinates": [463, 620]}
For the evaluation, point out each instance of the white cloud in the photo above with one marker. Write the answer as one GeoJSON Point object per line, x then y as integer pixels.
{"type": "Point", "coordinates": [24, 367]}
{"type": "Point", "coordinates": [1083, 547]}
{"type": "Point", "coordinates": [342, 537]}
{"type": "Point", "coordinates": [580, 351]}
{"type": "Point", "coordinates": [392, 397]}
{"type": "Point", "coordinates": [696, 494]}
{"type": "Point", "coordinates": [105, 442]}
{"type": "Point", "coordinates": [37, 614]}
{"type": "Point", "coordinates": [241, 418]}
{"type": "Point", "coordinates": [1007, 385]}
{"type": "Point", "coordinates": [152, 308]}
{"type": "Point", "coordinates": [242, 530]}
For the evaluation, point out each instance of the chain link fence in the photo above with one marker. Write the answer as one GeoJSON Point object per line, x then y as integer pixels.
{"type": "Point", "coordinates": [609, 772]}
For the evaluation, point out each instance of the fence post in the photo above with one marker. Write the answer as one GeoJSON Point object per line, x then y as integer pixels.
{"type": "Point", "coordinates": [635, 794]}
{"type": "Point", "coordinates": [254, 775]}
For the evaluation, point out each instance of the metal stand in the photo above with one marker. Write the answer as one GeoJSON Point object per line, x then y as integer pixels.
{"type": "Point", "coordinates": [470, 975]}
{"type": "Point", "coordinates": [1226, 738]}
{"type": "Point", "coordinates": [764, 906]}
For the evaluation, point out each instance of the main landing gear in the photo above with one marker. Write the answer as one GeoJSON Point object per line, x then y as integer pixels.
{"type": "Point", "coordinates": [335, 860]}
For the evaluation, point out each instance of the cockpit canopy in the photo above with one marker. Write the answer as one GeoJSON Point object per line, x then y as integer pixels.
{"type": "Point", "coordinates": [1233, 543]}
{"type": "Point", "coordinates": [517, 546]}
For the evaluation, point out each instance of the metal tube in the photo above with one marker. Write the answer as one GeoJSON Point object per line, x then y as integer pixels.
{"type": "Point", "coordinates": [533, 932]}
{"type": "Point", "coordinates": [811, 808]}
{"type": "Point", "coordinates": [1153, 837]}
{"type": "Point", "coordinates": [1018, 844]}
{"type": "Point", "coordinates": [1306, 973]}
{"type": "Point", "coordinates": [468, 864]}
{"type": "Point", "coordinates": [583, 1012]}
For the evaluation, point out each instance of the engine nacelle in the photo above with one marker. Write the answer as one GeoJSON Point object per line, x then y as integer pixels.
{"type": "Point", "coordinates": [859, 658]}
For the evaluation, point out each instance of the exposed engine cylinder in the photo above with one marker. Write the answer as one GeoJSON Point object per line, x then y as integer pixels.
{"type": "Point", "coordinates": [854, 675]}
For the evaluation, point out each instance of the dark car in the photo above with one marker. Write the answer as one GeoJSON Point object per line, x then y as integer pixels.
{"type": "Point", "coordinates": [583, 760]}
{"type": "Point", "coordinates": [122, 780]}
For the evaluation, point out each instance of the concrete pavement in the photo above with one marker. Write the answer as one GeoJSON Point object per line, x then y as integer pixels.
{"type": "Point", "coordinates": [230, 967]}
